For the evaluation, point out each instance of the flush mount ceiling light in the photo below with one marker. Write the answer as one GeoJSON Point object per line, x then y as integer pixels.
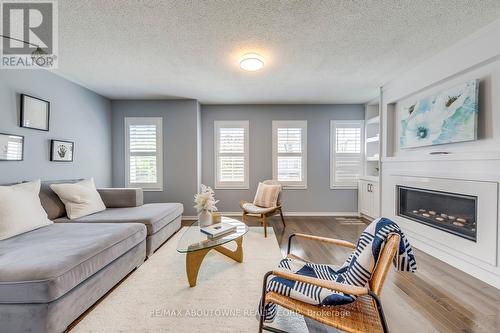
{"type": "Point", "coordinates": [251, 62]}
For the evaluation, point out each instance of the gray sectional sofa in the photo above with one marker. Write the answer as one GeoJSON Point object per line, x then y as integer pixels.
{"type": "Point", "coordinates": [124, 205]}
{"type": "Point", "coordinates": [51, 275]}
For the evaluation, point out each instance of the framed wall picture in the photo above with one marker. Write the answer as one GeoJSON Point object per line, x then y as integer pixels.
{"type": "Point", "coordinates": [11, 147]}
{"type": "Point", "coordinates": [61, 151]}
{"type": "Point", "coordinates": [35, 113]}
{"type": "Point", "coordinates": [448, 117]}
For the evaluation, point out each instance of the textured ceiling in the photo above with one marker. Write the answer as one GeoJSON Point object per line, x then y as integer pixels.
{"type": "Point", "coordinates": [315, 51]}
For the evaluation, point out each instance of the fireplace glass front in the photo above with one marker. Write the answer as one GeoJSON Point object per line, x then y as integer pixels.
{"type": "Point", "coordinates": [450, 212]}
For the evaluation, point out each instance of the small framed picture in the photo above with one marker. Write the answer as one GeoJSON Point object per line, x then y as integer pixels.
{"type": "Point", "coordinates": [11, 147]}
{"type": "Point", "coordinates": [61, 151]}
{"type": "Point", "coordinates": [35, 113]}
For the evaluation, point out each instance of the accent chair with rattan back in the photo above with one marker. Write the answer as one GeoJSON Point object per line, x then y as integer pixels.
{"type": "Point", "coordinates": [365, 313]}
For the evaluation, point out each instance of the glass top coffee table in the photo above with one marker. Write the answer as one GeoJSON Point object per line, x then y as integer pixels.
{"type": "Point", "coordinates": [196, 245]}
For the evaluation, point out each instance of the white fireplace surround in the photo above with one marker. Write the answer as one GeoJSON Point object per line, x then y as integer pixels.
{"type": "Point", "coordinates": [479, 258]}
{"type": "Point", "coordinates": [467, 167]}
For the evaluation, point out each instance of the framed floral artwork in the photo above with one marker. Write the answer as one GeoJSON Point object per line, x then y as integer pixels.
{"type": "Point", "coordinates": [448, 117]}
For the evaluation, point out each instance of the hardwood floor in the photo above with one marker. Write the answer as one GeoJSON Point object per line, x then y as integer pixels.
{"type": "Point", "coordinates": [438, 298]}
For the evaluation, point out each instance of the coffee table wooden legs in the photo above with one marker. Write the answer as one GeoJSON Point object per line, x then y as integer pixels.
{"type": "Point", "coordinates": [195, 258]}
{"type": "Point", "coordinates": [193, 263]}
{"type": "Point", "coordinates": [237, 254]}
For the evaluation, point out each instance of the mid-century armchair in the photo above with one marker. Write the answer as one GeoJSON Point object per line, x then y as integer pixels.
{"type": "Point", "coordinates": [363, 315]}
{"type": "Point", "coordinates": [262, 213]}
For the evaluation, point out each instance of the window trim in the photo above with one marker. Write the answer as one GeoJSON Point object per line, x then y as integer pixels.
{"type": "Point", "coordinates": [158, 121]}
{"type": "Point", "coordinates": [290, 185]}
{"type": "Point", "coordinates": [225, 185]}
{"type": "Point", "coordinates": [333, 126]}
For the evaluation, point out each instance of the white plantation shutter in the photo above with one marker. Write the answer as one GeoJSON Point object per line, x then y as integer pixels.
{"type": "Point", "coordinates": [346, 153]}
{"type": "Point", "coordinates": [290, 140]}
{"type": "Point", "coordinates": [289, 152]}
{"type": "Point", "coordinates": [144, 152]}
{"type": "Point", "coordinates": [348, 139]}
{"type": "Point", "coordinates": [231, 152]}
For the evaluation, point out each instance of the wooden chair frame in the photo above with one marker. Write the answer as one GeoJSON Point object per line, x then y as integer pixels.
{"type": "Point", "coordinates": [372, 291]}
{"type": "Point", "coordinates": [263, 217]}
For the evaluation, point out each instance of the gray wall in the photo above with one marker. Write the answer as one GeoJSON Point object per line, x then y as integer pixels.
{"type": "Point", "coordinates": [179, 147]}
{"type": "Point", "coordinates": [97, 127]}
{"type": "Point", "coordinates": [318, 197]}
{"type": "Point", "coordinates": [77, 114]}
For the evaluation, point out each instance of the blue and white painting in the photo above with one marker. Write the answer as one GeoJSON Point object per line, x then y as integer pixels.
{"type": "Point", "coordinates": [445, 118]}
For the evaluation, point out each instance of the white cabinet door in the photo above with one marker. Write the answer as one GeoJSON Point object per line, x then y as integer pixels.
{"type": "Point", "coordinates": [360, 196]}
{"type": "Point", "coordinates": [375, 211]}
{"type": "Point", "coordinates": [368, 198]}
{"type": "Point", "coordinates": [364, 198]}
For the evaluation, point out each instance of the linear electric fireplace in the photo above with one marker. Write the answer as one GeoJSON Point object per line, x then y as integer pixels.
{"type": "Point", "coordinates": [450, 212]}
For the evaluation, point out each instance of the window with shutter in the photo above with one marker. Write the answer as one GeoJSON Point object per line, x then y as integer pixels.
{"type": "Point", "coordinates": [231, 154]}
{"type": "Point", "coordinates": [347, 148]}
{"type": "Point", "coordinates": [143, 149]}
{"type": "Point", "coordinates": [290, 153]}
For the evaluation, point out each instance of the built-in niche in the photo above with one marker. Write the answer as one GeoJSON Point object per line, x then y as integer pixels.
{"type": "Point", "coordinates": [392, 110]}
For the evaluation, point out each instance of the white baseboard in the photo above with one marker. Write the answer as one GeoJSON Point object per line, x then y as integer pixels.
{"type": "Point", "coordinates": [346, 214]}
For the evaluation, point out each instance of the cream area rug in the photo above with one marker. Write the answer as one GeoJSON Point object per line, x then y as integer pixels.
{"type": "Point", "coordinates": [157, 297]}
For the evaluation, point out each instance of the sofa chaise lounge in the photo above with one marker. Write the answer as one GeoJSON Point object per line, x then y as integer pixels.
{"type": "Point", "coordinates": [52, 275]}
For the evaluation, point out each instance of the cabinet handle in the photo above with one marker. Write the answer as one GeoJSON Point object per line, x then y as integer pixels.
{"type": "Point", "coordinates": [369, 187]}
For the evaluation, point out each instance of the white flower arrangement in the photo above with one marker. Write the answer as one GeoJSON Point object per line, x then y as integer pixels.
{"type": "Point", "coordinates": [205, 200]}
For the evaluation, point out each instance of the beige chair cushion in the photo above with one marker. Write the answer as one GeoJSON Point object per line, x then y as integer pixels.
{"type": "Point", "coordinates": [267, 195]}
{"type": "Point", "coordinates": [80, 199]}
{"type": "Point", "coordinates": [20, 209]}
{"type": "Point", "coordinates": [252, 209]}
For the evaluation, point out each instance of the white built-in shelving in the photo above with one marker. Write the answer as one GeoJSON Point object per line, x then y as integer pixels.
{"type": "Point", "coordinates": [369, 187]}
{"type": "Point", "coordinates": [372, 139]}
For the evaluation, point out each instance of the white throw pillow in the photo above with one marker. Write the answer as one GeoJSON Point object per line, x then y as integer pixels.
{"type": "Point", "coordinates": [20, 209]}
{"type": "Point", "coordinates": [80, 199]}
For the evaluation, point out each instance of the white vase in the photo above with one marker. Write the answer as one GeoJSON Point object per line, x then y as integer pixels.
{"type": "Point", "coordinates": [204, 218]}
